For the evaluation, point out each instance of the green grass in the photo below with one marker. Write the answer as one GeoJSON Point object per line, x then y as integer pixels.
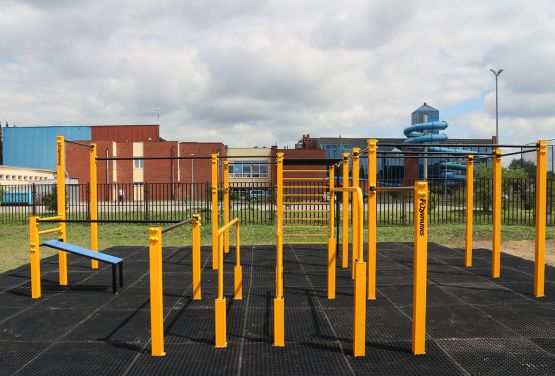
{"type": "Point", "coordinates": [14, 248]}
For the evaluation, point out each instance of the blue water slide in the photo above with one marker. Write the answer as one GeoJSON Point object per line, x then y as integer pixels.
{"type": "Point", "coordinates": [428, 133]}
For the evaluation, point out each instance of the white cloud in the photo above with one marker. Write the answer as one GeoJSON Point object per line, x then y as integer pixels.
{"type": "Point", "coordinates": [259, 72]}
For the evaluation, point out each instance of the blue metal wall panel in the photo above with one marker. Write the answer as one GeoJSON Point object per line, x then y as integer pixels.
{"type": "Point", "coordinates": [35, 147]}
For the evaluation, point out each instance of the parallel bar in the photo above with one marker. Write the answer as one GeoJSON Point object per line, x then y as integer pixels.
{"type": "Point", "coordinates": [56, 218]}
{"type": "Point", "coordinates": [469, 209]}
{"type": "Point", "coordinates": [50, 230]}
{"type": "Point", "coordinates": [227, 226]}
{"type": "Point", "coordinates": [496, 238]}
{"type": "Point", "coordinates": [541, 209]}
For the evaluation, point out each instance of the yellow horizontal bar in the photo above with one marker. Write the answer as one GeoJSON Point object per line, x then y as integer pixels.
{"type": "Point", "coordinates": [304, 219]}
{"type": "Point", "coordinates": [305, 170]}
{"type": "Point", "coordinates": [48, 231]}
{"type": "Point", "coordinates": [306, 186]}
{"type": "Point", "coordinates": [304, 226]}
{"type": "Point", "coordinates": [306, 211]}
{"type": "Point", "coordinates": [228, 225]}
{"type": "Point", "coordinates": [345, 189]}
{"type": "Point", "coordinates": [50, 218]}
{"type": "Point", "coordinates": [305, 235]}
{"type": "Point", "coordinates": [306, 243]}
{"type": "Point", "coordinates": [303, 195]}
{"type": "Point", "coordinates": [306, 203]}
{"type": "Point", "coordinates": [315, 179]}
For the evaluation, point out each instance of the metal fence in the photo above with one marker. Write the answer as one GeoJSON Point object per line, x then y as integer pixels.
{"type": "Point", "coordinates": [254, 203]}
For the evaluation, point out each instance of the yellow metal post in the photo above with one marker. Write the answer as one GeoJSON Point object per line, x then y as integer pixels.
{"type": "Point", "coordinates": [93, 202]}
{"type": "Point", "coordinates": [214, 196]}
{"type": "Point", "coordinates": [238, 271]}
{"type": "Point", "coordinates": [219, 303]}
{"type": "Point", "coordinates": [496, 239]}
{"type": "Point", "coordinates": [420, 268]}
{"type": "Point", "coordinates": [541, 196]}
{"type": "Point", "coordinates": [156, 293]}
{"type": "Point", "coordinates": [469, 209]}
{"type": "Point", "coordinates": [226, 204]}
{"type": "Point", "coordinates": [61, 205]}
{"type": "Point", "coordinates": [279, 306]}
{"type": "Point", "coordinates": [359, 311]}
{"type": "Point", "coordinates": [355, 174]}
{"type": "Point", "coordinates": [197, 295]}
{"type": "Point", "coordinates": [372, 148]}
{"type": "Point", "coordinates": [35, 257]}
{"type": "Point", "coordinates": [332, 251]}
{"type": "Point", "coordinates": [345, 213]}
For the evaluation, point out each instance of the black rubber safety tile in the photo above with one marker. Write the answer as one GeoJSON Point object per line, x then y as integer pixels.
{"type": "Point", "coordinates": [485, 294]}
{"type": "Point", "coordinates": [455, 277]}
{"type": "Point", "coordinates": [140, 299]}
{"type": "Point", "coordinates": [189, 359]}
{"type": "Point", "coordinates": [499, 356]}
{"type": "Point", "coordinates": [394, 277]}
{"type": "Point", "coordinates": [507, 274]}
{"type": "Point", "coordinates": [527, 289]}
{"type": "Point", "coordinates": [297, 297]}
{"type": "Point", "coordinates": [14, 354]}
{"type": "Point", "coordinates": [530, 319]}
{"type": "Point", "coordinates": [84, 358]}
{"type": "Point", "coordinates": [83, 298]}
{"type": "Point", "coordinates": [401, 295]}
{"type": "Point", "coordinates": [396, 358]}
{"type": "Point", "coordinates": [41, 323]}
{"type": "Point", "coordinates": [21, 296]}
{"type": "Point", "coordinates": [196, 325]}
{"type": "Point", "coordinates": [547, 344]}
{"type": "Point", "coordinates": [462, 321]}
{"type": "Point", "coordinates": [109, 325]}
{"type": "Point", "coordinates": [6, 312]}
{"type": "Point", "coordinates": [397, 326]}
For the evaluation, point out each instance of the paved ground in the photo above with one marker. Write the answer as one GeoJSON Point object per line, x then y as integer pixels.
{"type": "Point", "coordinates": [475, 325]}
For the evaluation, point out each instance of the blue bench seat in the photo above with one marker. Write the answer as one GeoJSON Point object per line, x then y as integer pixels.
{"type": "Point", "coordinates": [90, 254]}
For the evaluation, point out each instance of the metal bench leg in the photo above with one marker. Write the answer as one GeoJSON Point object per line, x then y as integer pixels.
{"type": "Point", "coordinates": [121, 274]}
{"type": "Point", "coordinates": [114, 285]}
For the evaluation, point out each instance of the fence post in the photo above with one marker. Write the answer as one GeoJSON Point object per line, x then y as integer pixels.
{"type": "Point", "coordinates": [420, 268]}
{"type": "Point", "coordinates": [497, 192]}
{"type": "Point", "coordinates": [34, 198]}
{"type": "Point", "coordinates": [146, 193]}
{"type": "Point", "coordinates": [372, 148]}
{"type": "Point", "coordinates": [469, 209]}
{"type": "Point", "coordinates": [541, 195]}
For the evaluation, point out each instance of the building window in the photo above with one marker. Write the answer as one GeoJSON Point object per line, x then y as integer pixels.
{"type": "Point", "coordinates": [138, 163]}
{"type": "Point", "coordinates": [248, 169]}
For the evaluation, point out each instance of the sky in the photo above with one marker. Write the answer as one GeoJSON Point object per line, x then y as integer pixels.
{"type": "Point", "coordinates": [259, 73]}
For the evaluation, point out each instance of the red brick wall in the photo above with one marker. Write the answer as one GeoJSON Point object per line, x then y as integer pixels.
{"type": "Point", "coordinates": [411, 171]}
{"type": "Point", "coordinates": [126, 133]}
{"type": "Point", "coordinates": [203, 169]}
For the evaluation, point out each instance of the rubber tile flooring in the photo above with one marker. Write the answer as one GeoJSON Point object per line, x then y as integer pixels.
{"type": "Point", "coordinates": [476, 325]}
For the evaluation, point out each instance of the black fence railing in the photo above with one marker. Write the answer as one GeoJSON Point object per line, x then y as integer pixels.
{"type": "Point", "coordinates": [254, 203]}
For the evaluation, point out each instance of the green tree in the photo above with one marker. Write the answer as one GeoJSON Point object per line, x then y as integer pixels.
{"type": "Point", "coordinates": [528, 166]}
{"type": "Point", "coordinates": [515, 185]}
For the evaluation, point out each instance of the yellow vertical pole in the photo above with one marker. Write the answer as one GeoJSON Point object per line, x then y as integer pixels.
{"type": "Point", "coordinates": [238, 271]}
{"type": "Point", "coordinates": [156, 293]}
{"type": "Point", "coordinates": [420, 268]}
{"type": "Point", "coordinates": [279, 304]}
{"type": "Point", "coordinates": [35, 257]}
{"type": "Point", "coordinates": [355, 174]}
{"type": "Point", "coordinates": [469, 209]}
{"type": "Point", "coordinates": [61, 205]}
{"type": "Point", "coordinates": [372, 148]}
{"type": "Point", "coordinates": [496, 240]}
{"type": "Point", "coordinates": [345, 213]}
{"type": "Point", "coordinates": [226, 205]}
{"type": "Point", "coordinates": [197, 294]}
{"type": "Point", "coordinates": [541, 196]}
{"type": "Point", "coordinates": [332, 250]}
{"type": "Point", "coordinates": [93, 202]}
{"type": "Point", "coordinates": [359, 311]}
{"type": "Point", "coordinates": [214, 196]}
{"type": "Point", "coordinates": [219, 303]}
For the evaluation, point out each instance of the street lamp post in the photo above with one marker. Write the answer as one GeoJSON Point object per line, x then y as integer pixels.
{"type": "Point", "coordinates": [496, 74]}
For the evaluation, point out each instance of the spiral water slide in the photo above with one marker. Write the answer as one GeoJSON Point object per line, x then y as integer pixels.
{"type": "Point", "coordinates": [428, 133]}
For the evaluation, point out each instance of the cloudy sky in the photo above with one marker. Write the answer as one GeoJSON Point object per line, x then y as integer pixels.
{"type": "Point", "coordinates": [254, 72]}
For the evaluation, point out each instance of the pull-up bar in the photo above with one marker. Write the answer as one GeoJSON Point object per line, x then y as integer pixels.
{"type": "Point", "coordinates": [77, 143]}
{"type": "Point", "coordinates": [178, 224]}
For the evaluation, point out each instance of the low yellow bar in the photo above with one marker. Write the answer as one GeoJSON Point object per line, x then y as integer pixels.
{"type": "Point", "coordinates": [227, 226]}
{"type": "Point", "coordinates": [54, 218]}
{"type": "Point", "coordinates": [156, 293]}
{"type": "Point", "coordinates": [50, 230]}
